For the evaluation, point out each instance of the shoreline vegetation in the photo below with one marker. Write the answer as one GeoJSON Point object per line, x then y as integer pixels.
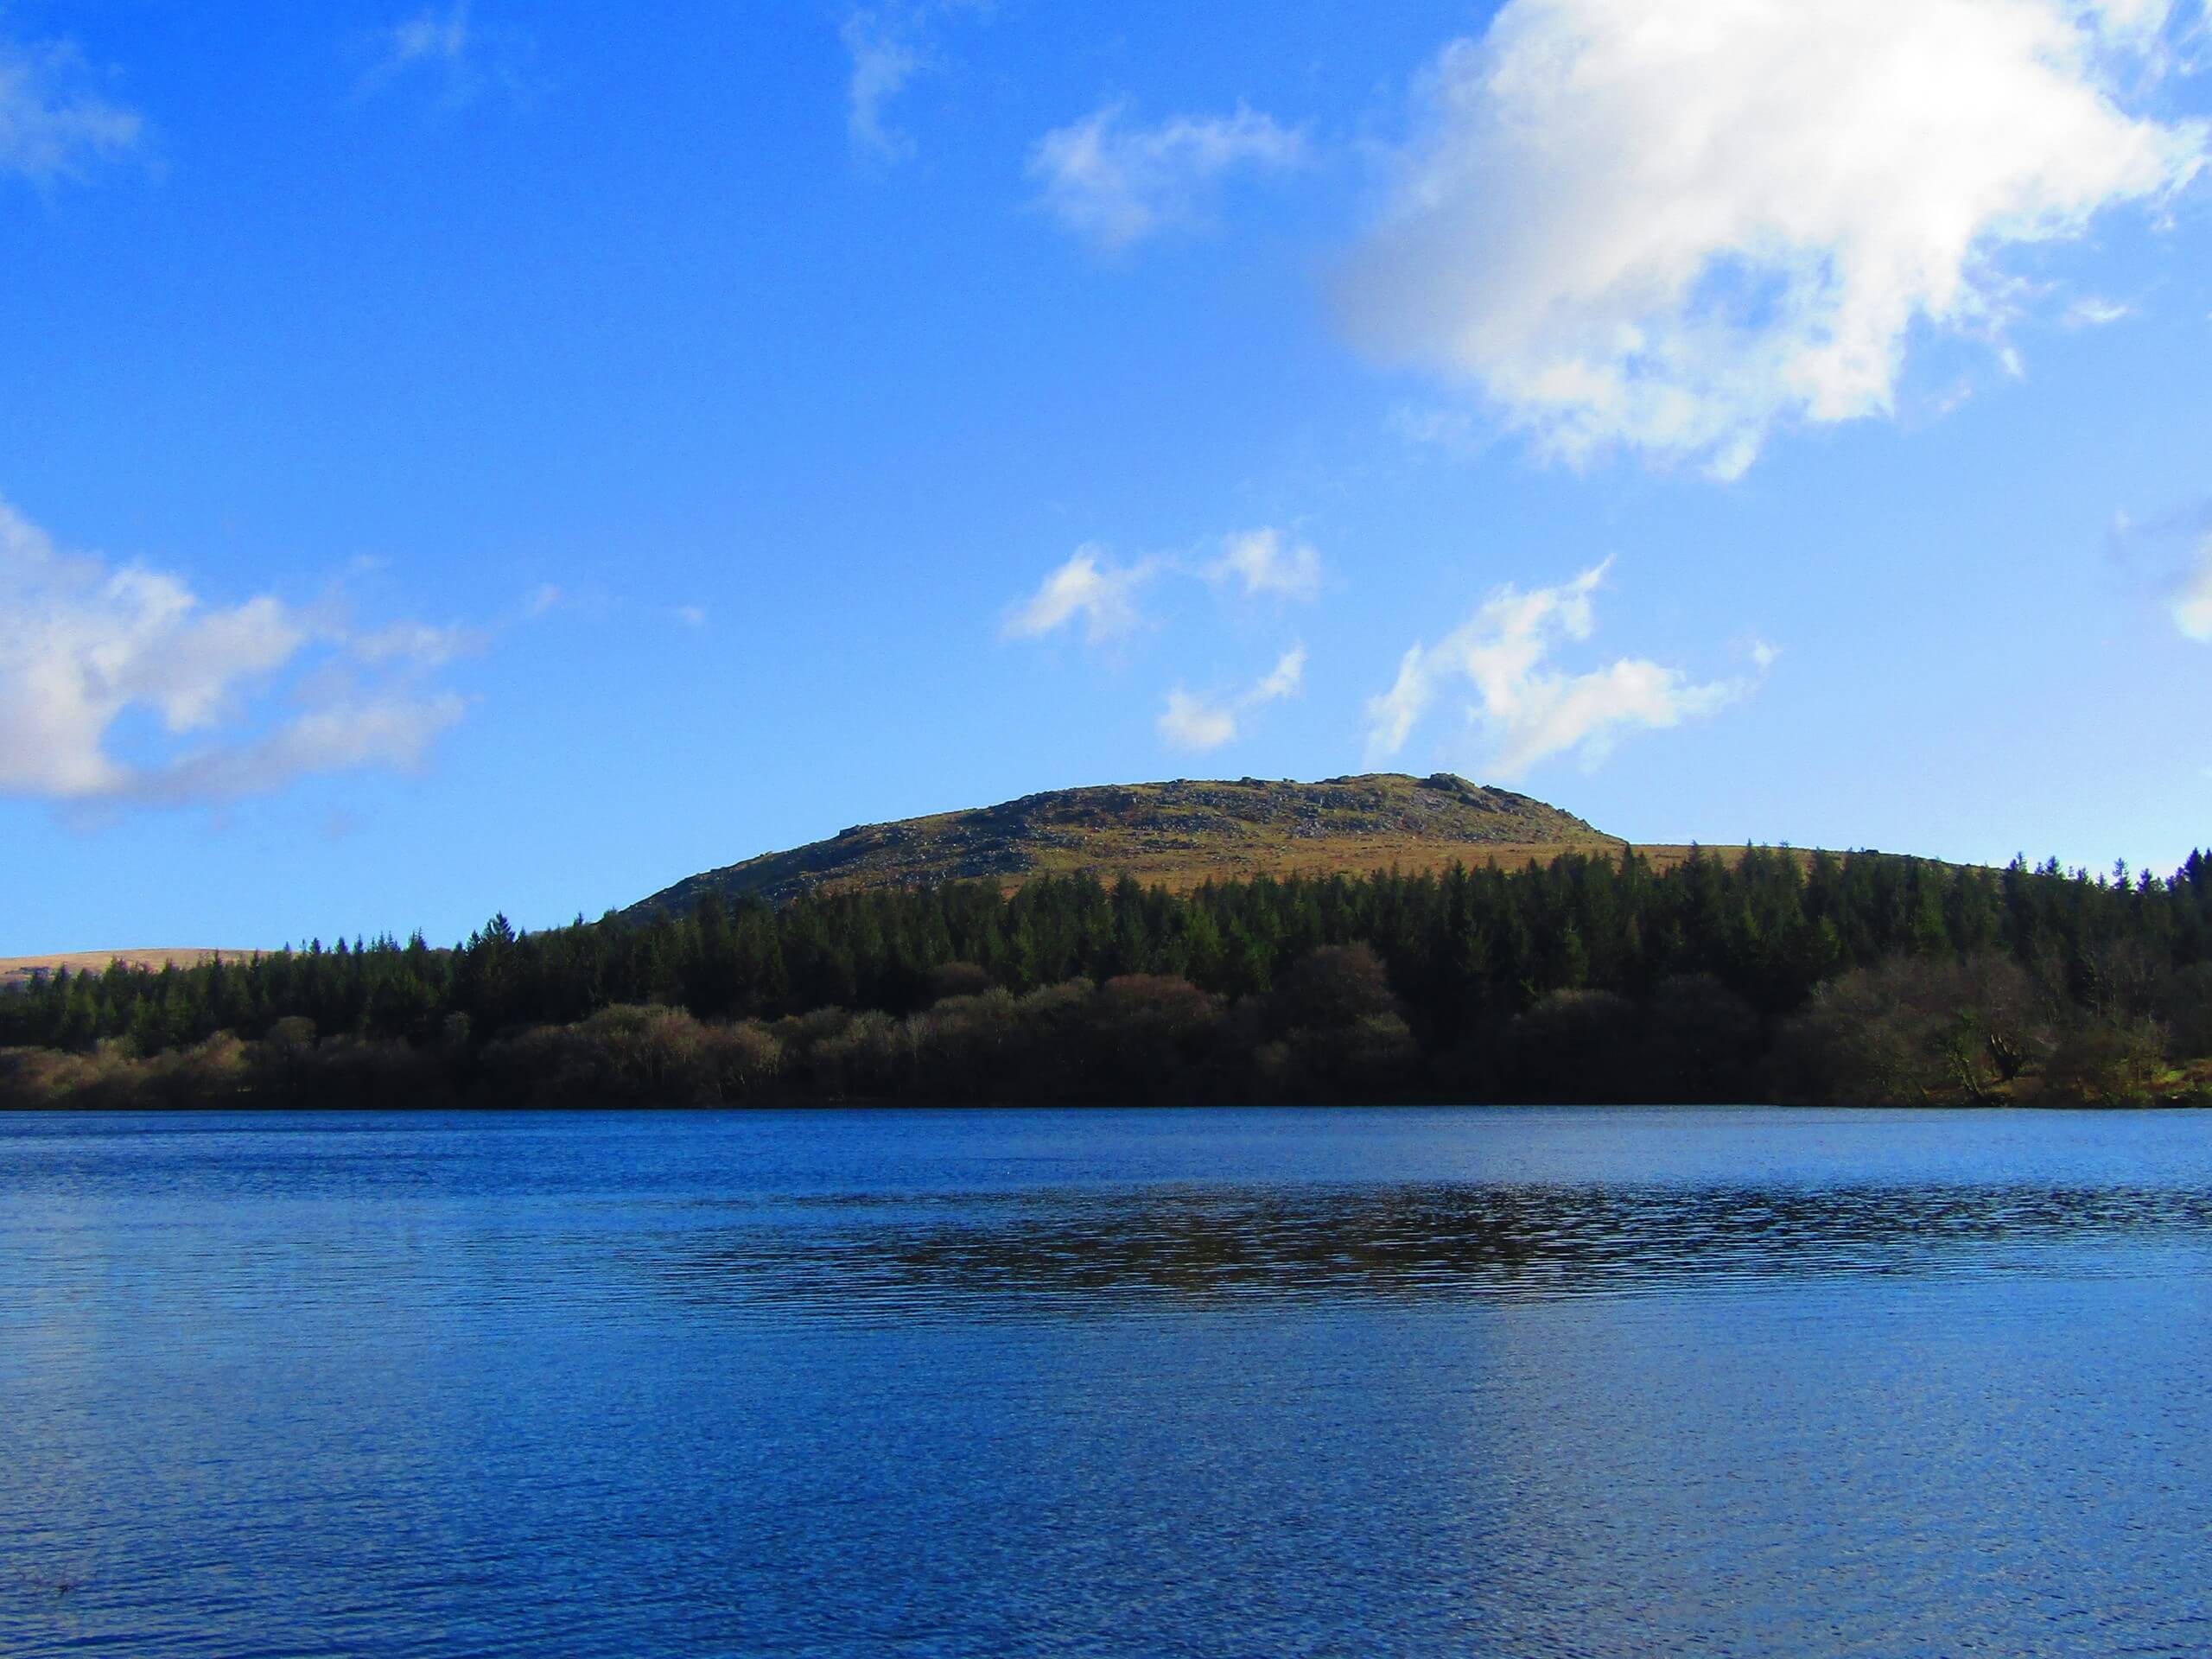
{"type": "Point", "coordinates": [1866, 979]}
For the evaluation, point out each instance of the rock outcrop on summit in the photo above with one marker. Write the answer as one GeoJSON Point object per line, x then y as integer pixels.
{"type": "Point", "coordinates": [1178, 834]}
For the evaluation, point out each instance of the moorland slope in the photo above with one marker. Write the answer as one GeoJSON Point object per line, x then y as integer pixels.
{"type": "Point", "coordinates": [1177, 834]}
{"type": "Point", "coordinates": [151, 959]}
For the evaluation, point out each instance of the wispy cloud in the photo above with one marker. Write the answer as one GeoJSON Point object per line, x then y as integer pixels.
{"type": "Point", "coordinates": [52, 125]}
{"type": "Point", "coordinates": [1672, 228]}
{"type": "Point", "coordinates": [1527, 709]}
{"type": "Point", "coordinates": [1190, 722]}
{"type": "Point", "coordinates": [1114, 183]}
{"type": "Point", "coordinates": [1102, 596]}
{"type": "Point", "coordinates": [889, 45]}
{"type": "Point", "coordinates": [1283, 680]}
{"type": "Point", "coordinates": [85, 643]}
{"type": "Point", "coordinates": [432, 37]}
{"type": "Point", "coordinates": [1256, 563]}
{"type": "Point", "coordinates": [2192, 601]}
{"type": "Point", "coordinates": [1089, 586]}
{"type": "Point", "coordinates": [2169, 555]}
{"type": "Point", "coordinates": [1267, 562]}
{"type": "Point", "coordinates": [2091, 312]}
{"type": "Point", "coordinates": [451, 52]}
{"type": "Point", "coordinates": [418, 643]}
{"type": "Point", "coordinates": [390, 731]}
{"type": "Point", "coordinates": [1434, 426]}
{"type": "Point", "coordinates": [884, 44]}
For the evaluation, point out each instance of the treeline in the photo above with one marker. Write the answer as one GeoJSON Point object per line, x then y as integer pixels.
{"type": "Point", "coordinates": [1860, 977]}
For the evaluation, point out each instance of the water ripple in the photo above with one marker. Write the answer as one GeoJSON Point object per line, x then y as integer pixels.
{"type": "Point", "coordinates": [1089, 1253]}
{"type": "Point", "coordinates": [1418, 1383]}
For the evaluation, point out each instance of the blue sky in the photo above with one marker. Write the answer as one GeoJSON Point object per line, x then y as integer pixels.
{"type": "Point", "coordinates": [505, 455]}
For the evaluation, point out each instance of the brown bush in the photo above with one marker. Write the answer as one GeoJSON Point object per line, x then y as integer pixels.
{"type": "Point", "coordinates": [2108, 1062]}
{"type": "Point", "coordinates": [2183, 1005]}
{"type": "Point", "coordinates": [47, 1077]}
{"type": "Point", "coordinates": [215, 1072]}
{"type": "Point", "coordinates": [957, 979]}
{"type": "Point", "coordinates": [1912, 1031]}
{"type": "Point", "coordinates": [1372, 1059]}
{"type": "Point", "coordinates": [1700, 1042]}
{"type": "Point", "coordinates": [1580, 1046]}
{"type": "Point", "coordinates": [1152, 1035]}
{"type": "Point", "coordinates": [1336, 985]}
{"type": "Point", "coordinates": [745, 1060]}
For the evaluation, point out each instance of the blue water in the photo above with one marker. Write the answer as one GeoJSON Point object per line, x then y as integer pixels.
{"type": "Point", "coordinates": [1268, 1383]}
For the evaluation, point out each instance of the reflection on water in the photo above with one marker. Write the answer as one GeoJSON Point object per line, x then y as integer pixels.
{"type": "Point", "coordinates": [1083, 1253]}
{"type": "Point", "coordinates": [1430, 1382]}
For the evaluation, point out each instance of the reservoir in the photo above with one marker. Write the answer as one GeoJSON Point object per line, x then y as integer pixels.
{"type": "Point", "coordinates": [1420, 1382]}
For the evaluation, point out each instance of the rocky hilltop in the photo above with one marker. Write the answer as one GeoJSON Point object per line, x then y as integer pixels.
{"type": "Point", "coordinates": [1178, 834]}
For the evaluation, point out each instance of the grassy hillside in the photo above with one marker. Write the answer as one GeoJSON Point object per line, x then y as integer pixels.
{"type": "Point", "coordinates": [1178, 835]}
{"type": "Point", "coordinates": [15, 969]}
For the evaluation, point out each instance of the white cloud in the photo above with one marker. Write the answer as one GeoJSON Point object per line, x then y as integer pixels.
{"type": "Point", "coordinates": [1434, 426]}
{"type": "Point", "coordinates": [2192, 604]}
{"type": "Point", "coordinates": [84, 646]}
{"type": "Point", "coordinates": [1674, 225]}
{"type": "Point", "coordinates": [50, 126]}
{"type": "Point", "coordinates": [1194, 722]}
{"type": "Point", "coordinates": [2090, 312]}
{"type": "Point", "coordinates": [451, 49]}
{"type": "Point", "coordinates": [1260, 562]}
{"type": "Point", "coordinates": [418, 643]}
{"type": "Point", "coordinates": [1113, 184]}
{"type": "Point", "coordinates": [1104, 595]}
{"type": "Point", "coordinates": [1283, 680]}
{"type": "Point", "coordinates": [1265, 563]}
{"type": "Point", "coordinates": [1191, 723]}
{"type": "Point", "coordinates": [394, 732]}
{"type": "Point", "coordinates": [1527, 709]}
{"type": "Point", "coordinates": [691, 616]}
{"type": "Point", "coordinates": [432, 38]}
{"type": "Point", "coordinates": [891, 44]}
{"type": "Point", "coordinates": [880, 40]}
{"type": "Point", "coordinates": [2170, 553]}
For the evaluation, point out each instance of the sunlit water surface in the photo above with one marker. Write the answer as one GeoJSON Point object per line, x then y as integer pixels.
{"type": "Point", "coordinates": [1268, 1383]}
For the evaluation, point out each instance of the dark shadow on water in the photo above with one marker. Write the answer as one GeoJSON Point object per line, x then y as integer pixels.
{"type": "Point", "coordinates": [1070, 1253]}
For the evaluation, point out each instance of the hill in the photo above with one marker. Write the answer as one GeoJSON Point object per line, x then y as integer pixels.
{"type": "Point", "coordinates": [15, 969]}
{"type": "Point", "coordinates": [1177, 834]}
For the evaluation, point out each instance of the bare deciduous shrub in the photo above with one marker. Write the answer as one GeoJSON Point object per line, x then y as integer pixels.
{"type": "Point", "coordinates": [1573, 1045]}
{"type": "Point", "coordinates": [1700, 1041]}
{"type": "Point", "coordinates": [1912, 1031]}
{"type": "Point", "coordinates": [2108, 1062]}
{"type": "Point", "coordinates": [957, 979]}
{"type": "Point", "coordinates": [1336, 985]}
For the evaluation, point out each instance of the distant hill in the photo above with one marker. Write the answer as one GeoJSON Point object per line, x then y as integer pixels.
{"type": "Point", "coordinates": [1178, 835]}
{"type": "Point", "coordinates": [15, 969]}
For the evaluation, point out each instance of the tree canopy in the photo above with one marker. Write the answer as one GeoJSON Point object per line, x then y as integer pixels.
{"type": "Point", "coordinates": [1719, 945]}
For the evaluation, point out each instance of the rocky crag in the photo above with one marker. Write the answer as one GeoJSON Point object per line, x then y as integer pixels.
{"type": "Point", "coordinates": [1179, 834]}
